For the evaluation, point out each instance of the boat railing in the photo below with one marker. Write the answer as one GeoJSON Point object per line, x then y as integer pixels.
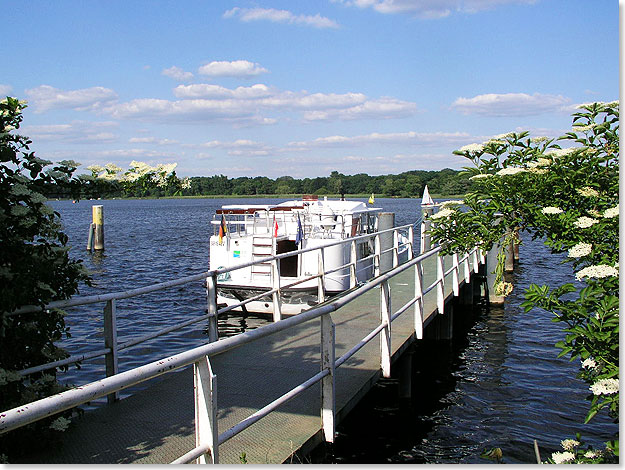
{"type": "Point", "coordinates": [208, 436]}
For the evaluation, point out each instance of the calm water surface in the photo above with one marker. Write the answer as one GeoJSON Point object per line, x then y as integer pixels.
{"type": "Point", "coordinates": [498, 385]}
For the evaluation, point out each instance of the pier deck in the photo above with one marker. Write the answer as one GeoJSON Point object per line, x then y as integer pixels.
{"type": "Point", "coordinates": [157, 425]}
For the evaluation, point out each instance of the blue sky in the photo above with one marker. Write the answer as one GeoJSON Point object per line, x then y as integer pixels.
{"type": "Point", "coordinates": [274, 88]}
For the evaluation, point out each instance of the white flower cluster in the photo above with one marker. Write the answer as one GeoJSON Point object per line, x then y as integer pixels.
{"type": "Point", "coordinates": [555, 153]}
{"type": "Point", "coordinates": [472, 148]}
{"type": "Point", "coordinates": [480, 176]}
{"type": "Point", "coordinates": [611, 212]}
{"type": "Point", "coordinates": [186, 183]}
{"type": "Point", "coordinates": [510, 171]}
{"type": "Point", "coordinates": [585, 222]}
{"type": "Point", "coordinates": [563, 457]}
{"type": "Point", "coordinates": [551, 210]}
{"type": "Point", "coordinates": [605, 387]}
{"type": "Point", "coordinates": [598, 271]}
{"type": "Point", "coordinates": [452, 203]}
{"type": "Point", "coordinates": [443, 213]}
{"type": "Point", "coordinates": [579, 250]}
{"type": "Point", "coordinates": [589, 363]}
{"type": "Point", "coordinates": [569, 444]}
{"type": "Point", "coordinates": [587, 191]}
{"type": "Point", "coordinates": [540, 162]}
{"type": "Point", "coordinates": [503, 288]}
{"type": "Point", "coordinates": [584, 128]}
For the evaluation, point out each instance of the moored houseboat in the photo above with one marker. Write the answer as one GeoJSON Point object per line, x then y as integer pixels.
{"type": "Point", "coordinates": [245, 234]}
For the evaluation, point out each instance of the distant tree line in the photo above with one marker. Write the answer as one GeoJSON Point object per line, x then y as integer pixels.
{"type": "Point", "coordinates": [407, 184]}
{"type": "Point", "coordinates": [139, 182]}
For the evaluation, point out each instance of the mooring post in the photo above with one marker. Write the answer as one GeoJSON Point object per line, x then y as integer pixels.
{"type": "Point", "coordinates": [98, 229]}
{"type": "Point", "coordinates": [405, 374]}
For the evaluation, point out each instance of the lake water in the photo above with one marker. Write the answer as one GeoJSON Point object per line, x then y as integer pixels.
{"type": "Point", "coordinates": [498, 385]}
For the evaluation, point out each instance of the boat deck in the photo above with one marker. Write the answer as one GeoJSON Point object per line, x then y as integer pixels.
{"type": "Point", "coordinates": [157, 425]}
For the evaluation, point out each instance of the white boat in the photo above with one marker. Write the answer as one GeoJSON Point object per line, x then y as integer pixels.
{"type": "Point", "coordinates": [248, 233]}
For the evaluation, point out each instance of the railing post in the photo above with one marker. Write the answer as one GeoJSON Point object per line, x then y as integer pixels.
{"type": "Point", "coordinates": [440, 286]}
{"type": "Point", "coordinates": [377, 255]}
{"type": "Point", "coordinates": [275, 281]}
{"type": "Point", "coordinates": [476, 263]}
{"type": "Point", "coordinates": [455, 275]}
{"type": "Point", "coordinates": [211, 300]}
{"type": "Point", "coordinates": [205, 391]}
{"type": "Point", "coordinates": [395, 248]}
{"type": "Point", "coordinates": [385, 334]}
{"type": "Point", "coordinates": [352, 265]}
{"type": "Point", "coordinates": [321, 297]}
{"type": "Point", "coordinates": [328, 395]}
{"type": "Point", "coordinates": [110, 341]}
{"type": "Point", "coordinates": [467, 268]}
{"type": "Point", "coordinates": [411, 242]}
{"type": "Point", "coordinates": [418, 306]}
{"type": "Point", "coordinates": [426, 240]}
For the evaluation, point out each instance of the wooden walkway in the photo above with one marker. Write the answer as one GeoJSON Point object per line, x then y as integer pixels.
{"type": "Point", "coordinates": [157, 425]}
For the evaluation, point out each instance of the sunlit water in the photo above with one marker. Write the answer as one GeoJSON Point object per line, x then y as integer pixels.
{"type": "Point", "coordinates": [497, 385]}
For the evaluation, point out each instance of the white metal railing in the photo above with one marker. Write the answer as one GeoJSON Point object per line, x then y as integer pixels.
{"type": "Point", "coordinates": [112, 347]}
{"type": "Point", "coordinates": [208, 437]}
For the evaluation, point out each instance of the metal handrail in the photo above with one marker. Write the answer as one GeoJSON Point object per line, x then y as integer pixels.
{"type": "Point", "coordinates": [26, 414]}
{"type": "Point", "coordinates": [78, 301]}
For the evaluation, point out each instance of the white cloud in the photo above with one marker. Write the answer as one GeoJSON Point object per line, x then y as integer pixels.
{"type": "Point", "coordinates": [248, 105]}
{"type": "Point", "coordinates": [74, 132]}
{"type": "Point", "coordinates": [5, 90]}
{"type": "Point", "coordinates": [512, 104]}
{"type": "Point", "coordinates": [280, 16]}
{"type": "Point", "coordinates": [430, 8]}
{"type": "Point", "coordinates": [152, 140]}
{"type": "Point", "coordinates": [46, 98]}
{"type": "Point", "coordinates": [235, 68]}
{"type": "Point", "coordinates": [400, 138]}
{"type": "Point", "coordinates": [177, 74]}
{"type": "Point", "coordinates": [203, 90]}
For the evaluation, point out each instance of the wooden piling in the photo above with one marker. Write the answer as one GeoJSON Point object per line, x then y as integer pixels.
{"type": "Point", "coordinates": [98, 227]}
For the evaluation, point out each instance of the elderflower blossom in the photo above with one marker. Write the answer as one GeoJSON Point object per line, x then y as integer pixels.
{"type": "Point", "coordinates": [538, 171]}
{"type": "Point", "coordinates": [443, 213]}
{"type": "Point", "coordinates": [585, 222]}
{"type": "Point", "coordinates": [562, 457]}
{"type": "Point", "coordinates": [569, 444]}
{"type": "Point", "coordinates": [555, 153]}
{"type": "Point", "coordinates": [592, 454]}
{"type": "Point", "coordinates": [598, 271]}
{"type": "Point", "coordinates": [579, 250]}
{"type": "Point", "coordinates": [611, 212]}
{"type": "Point", "coordinates": [451, 203]}
{"type": "Point", "coordinates": [186, 183]}
{"type": "Point", "coordinates": [503, 288]}
{"type": "Point", "coordinates": [587, 191]}
{"type": "Point", "coordinates": [589, 363]}
{"type": "Point", "coordinates": [480, 176]}
{"type": "Point", "coordinates": [584, 128]}
{"type": "Point", "coordinates": [551, 210]}
{"type": "Point", "coordinates": [604, 387]}
{"type": "Point", "coordinates": [472, 148]}
{"type": "Point", "coordinates": [510, 171]}
{"type": "Point", "coordinates": [540, 162]}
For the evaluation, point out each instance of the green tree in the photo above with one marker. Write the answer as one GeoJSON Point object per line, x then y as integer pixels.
{"type": "Point", "coordinates": [570, 198]}
{"type": "Point", "coordinates": [35, 269]}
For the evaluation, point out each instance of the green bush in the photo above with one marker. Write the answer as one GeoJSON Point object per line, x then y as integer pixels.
{"type": "Point", "coordinates": [35, 269]}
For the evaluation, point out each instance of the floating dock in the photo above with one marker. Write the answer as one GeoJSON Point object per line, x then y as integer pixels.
{"type": "Point", "coordinates": [157, 425]}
